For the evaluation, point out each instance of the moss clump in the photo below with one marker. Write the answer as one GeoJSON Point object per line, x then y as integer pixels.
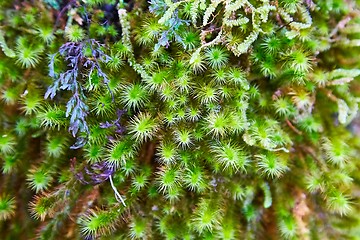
{"type": "Point", "coordinates": [185, 119]}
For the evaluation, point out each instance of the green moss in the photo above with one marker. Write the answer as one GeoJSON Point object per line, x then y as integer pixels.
{"type": "Point", "coordinates": [210, 119]}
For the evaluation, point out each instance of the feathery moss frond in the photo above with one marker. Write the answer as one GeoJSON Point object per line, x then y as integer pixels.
{"type": "Point", "coordinates": [120, 152]}
{"type": "Point", "coordinates": [42, 206]}
{"type": "Point", "coordinates": [230, 156]}
{"type": "Point", "coordinates": [7, 143]}
{"type": "Point", "coordinates": [195, 179]}
{"type": "Point", "coordinates": [74, 33]}
{"type": "Point", "coordinates": [336, 151]}
{"type": "Point", "coordinates": [51, 117]}
{"type": "Point", "coordinates": [217, 124]}
{"type": "Point", "coordinates": [45, 33]}
{"type": "Point", "coordinates": [207, 215]}
{"type": "Point", "coordinates": [7, 207]}
{"type": "Point", "coordinates": [98, 223]}
{"type": "Point", "coordinates": [339, 203]}
{"type": "Point", "coordinates": [167, 152]}
{"type": "Point", "coordinates": [32, 102]}
{"type": "Point", "coordinates": [56, 146]}
{"type": "Point", "coordinates": [183, 138]}
{"type": "Point", "coordinates": [134, 96]}
{"type": "Point", "coordinates": [27, 56]}
{"type": "Point", "coordinates": [143, 127]}
{"type": "Point", "coordinates": [216, 57]}
{"type": "Point", "coordinates": [272, 164]}
{"type": "Point", "coordinates": [138, 228]}
{"type": "Point", "coordinates": [168, 178]}
{"type": "Point", "coordinates": [9, 163]}
{"type": "Point", "coordinates": [39, 178]}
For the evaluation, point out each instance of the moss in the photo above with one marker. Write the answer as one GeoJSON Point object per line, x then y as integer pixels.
{"type": "Point", "coordinates": [179, 119]}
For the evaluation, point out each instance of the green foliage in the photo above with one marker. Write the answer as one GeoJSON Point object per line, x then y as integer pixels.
{"type": "Point", "coordinates": [142, 127]}
{"type": "Point", "coordinates": [39, 178]}
{"type": "Point", "coordinates": [98, 223]}
{"type": "Point", "coordinates": [186, 119]}
{"type": "Point", "coordinates": [7, 207]}
{"type": "Point", "coordinates": [27, 55]}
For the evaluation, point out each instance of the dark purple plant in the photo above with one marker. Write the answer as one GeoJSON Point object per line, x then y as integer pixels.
{"type": "Point", "coordinates": [119, 129]}
{"type": "Point", "coordinates": [83, 60]}
{"type": "Point", "coordinates": [94, 174]}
